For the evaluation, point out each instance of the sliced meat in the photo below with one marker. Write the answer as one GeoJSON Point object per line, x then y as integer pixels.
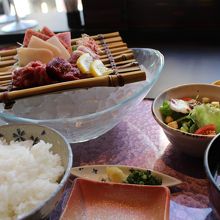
{"type": "Point", "coordinates": [34, 74]}
{"type": "Point", "coordinates": [85, 49]}
{"type": "Point", "coordinates": [61, 70]}
{"type": "Point", "coordinates": [74, 57]}
{"type": "Point", "coordinates": [47, 31]}
{"type": "Point", "coordinates": [88, 42]}
{"type": "Point", "coordinates": [29, 33]}
{"type": "Point", "coordinates": [65, 39]}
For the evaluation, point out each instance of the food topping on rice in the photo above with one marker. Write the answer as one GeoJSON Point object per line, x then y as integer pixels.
{"type": "Point", "coordinates": [29, 174]}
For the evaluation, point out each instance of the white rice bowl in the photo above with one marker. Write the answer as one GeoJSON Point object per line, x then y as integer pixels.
{"type": "Point", "coordinates": [29, 174]}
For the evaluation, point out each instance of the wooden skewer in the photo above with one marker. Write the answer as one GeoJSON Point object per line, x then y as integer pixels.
{"type": "Point", "coordinates": [111, 40]}
{"type": "Point", "coordinates": [129, 69]}
{"type": "Point", "coordinates": [5, 82]}
{"type": "Point", "coordinates": [95, 37]}
{"type": "Point", "coordinates": [109, 37]}
{"type": "Point", "coordinates": [7, 63]}
{"type": "Point", "coordinates": [113, 50]}
{"type": "Point", "coordinates": [120, 57]}
{"type": "Point", "coordinates": [5, 73]}
{"type": "Point", "coordinates": [6, 69]}
{"type": "Point", "coordinates": [12, 52]}
{"type": "Point", "coordinates": [8, 77]}
{"type": "Point", "coordinates": [8, 52]}
{"type": "Point", "coordinates": [110, 80]}
{"type": "Point", "coordinates": [3, 87]}
{"type": "Point", "coordinates": [7, 58]}
{"type": "Point", "coordinates": [114, 46]}
{"type": "Point", "coordinates": [121, 63]}
{"type": "Point", "coordinates": [117, 53]}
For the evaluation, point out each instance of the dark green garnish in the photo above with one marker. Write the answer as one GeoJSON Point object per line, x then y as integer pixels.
{"type": "Point", "coordinates": [142, 178]}
{"type": "Point", "coordinates": [165, 109]}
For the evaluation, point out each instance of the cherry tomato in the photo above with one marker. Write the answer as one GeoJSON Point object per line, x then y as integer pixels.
{"type": "Point", "coordinates": [186, 99]}
{"type": "Point", "coordinates": [207, 130]}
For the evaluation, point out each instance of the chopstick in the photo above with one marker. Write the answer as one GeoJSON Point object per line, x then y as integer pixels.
{"type": "Point", "coordinates": [109, 80]}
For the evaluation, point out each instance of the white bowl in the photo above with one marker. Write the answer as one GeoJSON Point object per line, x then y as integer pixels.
{"type": "Point", "coordinates": [191, 144]}
{"type": "Point", "coordinates": [22, 132]}
{"type": "Point", "coordinates": [84, 114]}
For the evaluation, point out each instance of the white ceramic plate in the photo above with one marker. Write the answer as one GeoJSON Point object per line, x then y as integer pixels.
{"type": "Point", "coordinates": [98, 173]}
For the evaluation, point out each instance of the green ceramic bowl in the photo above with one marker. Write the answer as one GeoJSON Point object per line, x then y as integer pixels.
{"type": "Point", "coordinates": [21, 132]}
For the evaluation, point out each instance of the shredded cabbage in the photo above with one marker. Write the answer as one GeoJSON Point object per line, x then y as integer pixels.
{"type": "Point", "coordinates": [206, 114]}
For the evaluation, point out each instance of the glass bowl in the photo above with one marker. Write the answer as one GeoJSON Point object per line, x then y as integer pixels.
{"type": "Point", "coordinates": [84, 114]}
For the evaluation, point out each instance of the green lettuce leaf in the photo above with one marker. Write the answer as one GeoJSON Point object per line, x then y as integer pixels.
{"type": "Point", "coordinates": [205, 114]}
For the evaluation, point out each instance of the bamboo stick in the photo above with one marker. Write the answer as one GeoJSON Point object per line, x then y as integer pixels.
{"type": "Point", "coordinates": [120, 57]}
{"type": "Point", "coordinates": [7, 63]}
{"type": "Point", "coordinates": [114, 46]}
{"type": "Point", "coordinates": [3, 87]}
{"type": "Point", "coordinates": [117, 49]}
{"type": "Point", "coordinates": [6, 68]}
{"type": "Point", "coordinates": [7, 58]}
{"type": "Point", "coordinates": [128, 69]}
{"type": "Point", "coordinates": [111, 40]}
{"type": "Point", "coordinates": [8, 52]}
{"type": "Point", "coordinates": [5, 82]}
{"type": "Point", "coordinates": [114, 35]}
{"type": "Point", "coordinates": [7, 77]}
{"type": "Point", "coordinates": [95, 37]}
{"type": "Point", "coordinates": [5, 73]}
{"type": "Point", "coordinates": [117, 53]}
{"type": "Point", "coordinates": [109, 80]}
{"type": "Point", "coordinates": [121, 63]}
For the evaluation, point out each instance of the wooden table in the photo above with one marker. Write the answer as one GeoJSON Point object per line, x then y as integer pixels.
{"type": "Point", "coordinates": [139, 141]}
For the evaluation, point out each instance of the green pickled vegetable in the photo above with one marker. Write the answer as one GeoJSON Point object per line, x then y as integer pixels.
{"type": "Point", "coordinates": [143, 178]}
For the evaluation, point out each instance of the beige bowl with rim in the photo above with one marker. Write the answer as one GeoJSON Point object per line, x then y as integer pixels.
{"type": "Point", "coordinates": [191, 144]}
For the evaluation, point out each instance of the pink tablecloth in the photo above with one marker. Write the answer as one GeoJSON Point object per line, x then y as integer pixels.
{"type": "Point", "coordinates": [139, 141]}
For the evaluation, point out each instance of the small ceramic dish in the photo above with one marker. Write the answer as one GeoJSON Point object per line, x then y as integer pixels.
{"type": "Point", "coordinates": [98, 173]}
{"type": "Point", "coordinates": [212, 168]}
{"type": "Point", "coordinates": [191, 144]}
{"type": "Point", "coordinates": [101, 200]}
{"type": "Point", "coordinates": [217, 82]}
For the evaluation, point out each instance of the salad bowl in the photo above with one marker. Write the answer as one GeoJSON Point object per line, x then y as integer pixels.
{"type": "Point", "coordinates": [193, 144]}
{"type": "Point", "coordinates": [84, 114]}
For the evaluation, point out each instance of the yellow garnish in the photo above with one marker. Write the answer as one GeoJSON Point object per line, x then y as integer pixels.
{"type": "Point", "coordinates": [83, 63]}
{"type": "Point", "coordinates": [115, 174]}
{"type": "Point", "coordinates": [97, 68]}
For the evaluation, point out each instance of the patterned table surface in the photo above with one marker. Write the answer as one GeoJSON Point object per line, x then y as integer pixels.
{"type": "Point", "coordinates": [139, 141]}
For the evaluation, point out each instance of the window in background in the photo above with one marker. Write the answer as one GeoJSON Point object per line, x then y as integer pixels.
{"type": "Point", "coordinates": [26, 7]}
